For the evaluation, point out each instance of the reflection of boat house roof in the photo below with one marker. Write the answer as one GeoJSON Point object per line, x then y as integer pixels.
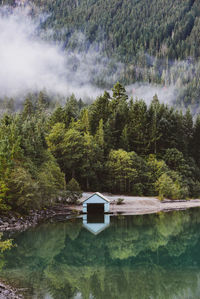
{"type": "Point", "coordinates": [96, 228]}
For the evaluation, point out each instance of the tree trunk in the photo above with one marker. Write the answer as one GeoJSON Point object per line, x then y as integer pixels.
{"type": "Point", "coordinates": [87, 184]}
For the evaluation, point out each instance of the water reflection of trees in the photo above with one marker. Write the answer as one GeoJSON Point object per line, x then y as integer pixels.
{"type": "Point", "coordinates": [153, 256]}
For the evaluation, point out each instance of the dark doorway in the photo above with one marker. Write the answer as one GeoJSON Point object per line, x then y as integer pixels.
{"type": "Point", "coordinates": [95, 218]}
{"type": "Point", "coordinates": [95, 208]}
{"type": "Point", "coordinates": [95, 213]}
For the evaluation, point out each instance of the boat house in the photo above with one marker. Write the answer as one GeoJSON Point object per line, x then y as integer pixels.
{"type": "Point", "coordinates": [96, 203]}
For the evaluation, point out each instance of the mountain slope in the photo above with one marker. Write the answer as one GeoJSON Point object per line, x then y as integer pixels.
{"type": "Point", "coordinates": [160, 27]}
{"type": "Point", "coordinates": [157, 40]}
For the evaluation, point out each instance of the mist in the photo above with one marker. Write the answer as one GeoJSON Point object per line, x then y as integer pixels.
{"type": "Point", "coordinates": [32, 61]}
{"type": "Point", "coordinates": [166, 94]}
{"type": "Point", "coordinates": [30, 64]}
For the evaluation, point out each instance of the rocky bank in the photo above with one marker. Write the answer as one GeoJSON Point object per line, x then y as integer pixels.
{"type": "Point", "coordinates": [13, 222]}
{"type": "Point", "coordinates": [6, 292]}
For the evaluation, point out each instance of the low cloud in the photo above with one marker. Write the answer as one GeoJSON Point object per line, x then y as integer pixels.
{"type": "Point", "coordinates": [29, 63]}
{"type": "Point", "coordinates": [166, 94]}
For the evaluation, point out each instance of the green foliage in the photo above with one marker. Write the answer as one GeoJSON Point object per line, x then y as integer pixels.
{"type": "Point", "coordinates": [166, 30]}
{"type": "Point", "coordinates": [196, 141]}
{"type": "Point", "coordinates": [174, 159]}
{"type": "Point", "coordinates": [120, 171]}
{"type": "Point", "coordinates": [5, 245]}
{"type": "Point", "coordinates": [114, 144]}
{"type": "Point", "coordinates": [51, 182]}
{"type": "Point", "coordinates": [100, 134]}
{"type": "Point", "coordinates": [23, 190]}
{"type": "Point", "coordinates": [73, 191]}
{"type": "Point", "coordinates": [167, 188]}
{"type": "Point", "coordinates": [100, 109]}
{"type": "Point", "coordinates": [30, 177]}
{"type": "Point", "coordinates": [120, 201]}
{"type": "Point", "coordinates": [156, 168]}
{"type": "Point", "coordinates": [157, 47]}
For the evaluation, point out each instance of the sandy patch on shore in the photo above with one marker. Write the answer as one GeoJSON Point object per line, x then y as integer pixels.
{"type": "Point", "coordinates": [142, 205]}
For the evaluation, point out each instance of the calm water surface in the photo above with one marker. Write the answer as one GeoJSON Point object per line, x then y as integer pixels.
{"type": "Point", "coordinates": [152, 256]}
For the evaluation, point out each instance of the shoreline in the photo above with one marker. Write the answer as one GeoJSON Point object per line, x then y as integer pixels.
{"type": "Point", "coordinates": [134, 205]}
{"type": "Point", "coordinates": [131, 206]}
{"type": "Point", "coordinates": [12, 222]}
{"type": "Point", "coordinates": [8, 292]}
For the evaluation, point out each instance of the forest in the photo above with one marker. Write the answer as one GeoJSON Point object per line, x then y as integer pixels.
{"type": "Point", "coordinates": [116, 144]}
{"type": "Point", "coordinates": [161, 28]}
{"type": "Point", "coordinates": [155, 41]}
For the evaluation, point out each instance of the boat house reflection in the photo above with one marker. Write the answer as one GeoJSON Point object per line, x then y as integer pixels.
{"type": "Point", "coordinates": [96, 223]}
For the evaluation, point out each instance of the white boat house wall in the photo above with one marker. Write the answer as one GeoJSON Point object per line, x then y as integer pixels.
{"type": "Point", "coordinates": [96, 202]}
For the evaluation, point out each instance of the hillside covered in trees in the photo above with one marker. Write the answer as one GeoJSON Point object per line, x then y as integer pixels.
{"type": "Point", "coordinates": [115, 144]}
{"type": "Point", "coordinates": [157, 41]}
{"type": "Point", "coordinates": [161, 28]}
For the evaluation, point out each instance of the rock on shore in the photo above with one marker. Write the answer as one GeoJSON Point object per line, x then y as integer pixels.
{"type": "Point", "coordinates": [12, 222]}
{"type": "Point", "coordinates": [7, 292]}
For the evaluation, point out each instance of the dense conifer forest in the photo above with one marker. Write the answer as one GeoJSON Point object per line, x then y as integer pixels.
{"type": "Point", "coordinates": [162, 28]}
{"type": "Point", "coordinates": [157, 41]}
{"type": "Point", "coordinates": [115, 144]}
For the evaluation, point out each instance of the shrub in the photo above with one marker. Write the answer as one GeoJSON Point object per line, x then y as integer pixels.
{"type": "Point", "coordinates": [73, 191]}
{"type": "Point", "coordinates": [170, 189]}
{"type": "Point", "coordinates": [120, 201]}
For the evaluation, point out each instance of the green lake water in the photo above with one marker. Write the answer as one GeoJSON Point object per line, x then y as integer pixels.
{"type": "Point", "coordinates": [151, 256]}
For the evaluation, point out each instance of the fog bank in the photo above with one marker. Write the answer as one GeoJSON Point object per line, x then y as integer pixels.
{"type": "Point", "coordinates": [30, 63]}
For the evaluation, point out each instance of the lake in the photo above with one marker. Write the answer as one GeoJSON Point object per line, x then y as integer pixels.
{"type": "Point", "coordinates": [151, 256]}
